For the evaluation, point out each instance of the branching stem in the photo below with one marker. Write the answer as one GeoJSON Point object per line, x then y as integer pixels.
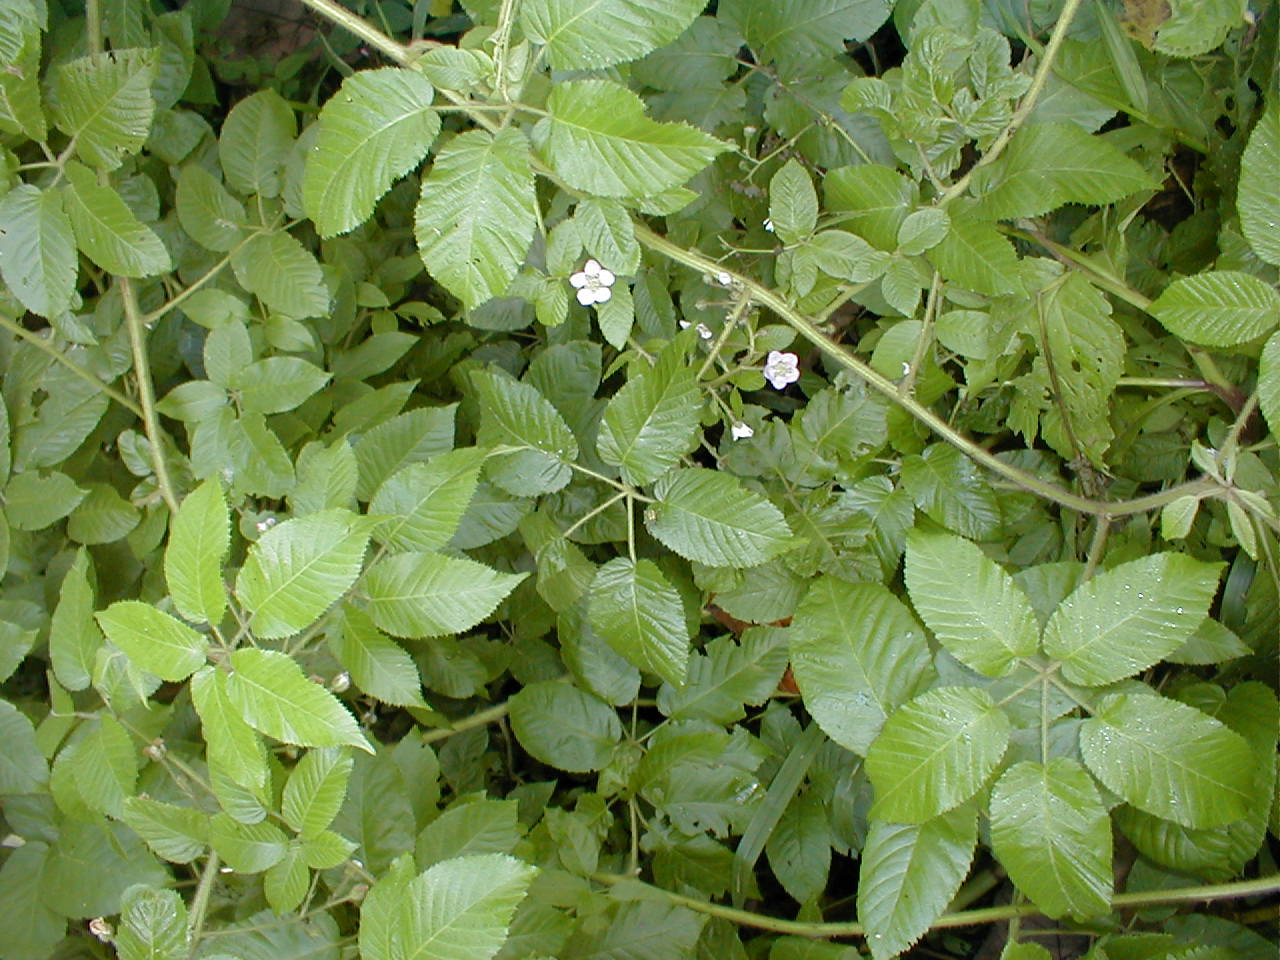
{"type": "Point", "coordinates": [146, 391]}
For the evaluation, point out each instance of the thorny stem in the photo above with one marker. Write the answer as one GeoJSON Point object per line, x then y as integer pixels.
{"type": "Point", "coordinates": [200, 902]}
{"type": "Point", "coordinates": [146, 392]}
{"type": "Point", "coordinates": [357, 25]}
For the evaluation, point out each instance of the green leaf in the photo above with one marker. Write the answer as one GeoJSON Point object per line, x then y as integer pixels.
{"type": "Point", "coordinates": [275, 697]}
{"type": "Point", "coordinates": [104, 102]}
{"type": "Point", "coordinates": [1218, 308]}
{"type": "Point", "coordinates": [640, 930]}
{"type": "Point", "coordinates": [1269, 383]}
{"type": "Point", "coordinates": [1053, 835]}
{"type": "Point", "coordinates": [246, 847]}
{"type": "Point", "coordinates": [652, 421]}
{"type": "Point", "coordinates": [276, 384]}
{"type": "Point", "coordinates": [198, 541]}
{"type": "Point", "coordinates": [562, 726]}
{"type": "Point", "coordinates": [477, 214]}
{"type": "Point", "coordinates": [431, 595]}
{"type": "Point", "coordinates": [908, 875]}
{"type": "Point", "coordinates": [935, 753]}
{"type": "Point", "coordinates": [637, 611]}
{"type": "Point", "coordinates": [210, 215]}
{"type": "Point", "coordinates": [32, 929]}
{"type": "Point", "coordinates": [408, 438]}
{"type": "Point", "coordinates": [857, 654]}
{"type": "Point", "coordinates": [1210, 642]}
{"type": "Point", "coordinates": [35, 500]}
{"type": "Point", "coordinates": [802, 31]}
{"type": "Point", "coordinates": [710, 517]}
{"type": "Point", "coordinates": [299, 568]}
{"type": "Point", "coordinates": [472, 827]}
{"type": "Point", "coordinates": [179, 834]}
{"type": "Point", "coordinates": [103, 516]}
{"type": "Point", "coordinates": [607, 233]}
{"type": "Point", "coordinates": [377, 665]}
{"type": "Point", "coordinates": [950, 488]}
{"type": "Point", "coordinates": [598, 139]}
{"type": "Point", "coordinates": [153, 640]}
{"type": "Point", "coordinates": [457, 910]}
{"type": "Point", "coordinates": [153, 925]}
{"type": "Point", "coordinates": [976, 610]}
{"type": "Point", "coordinates": [727, 676]}
{"type": "Point", "coordinates": [975, 255]}
{"type": "Point", "coordinates": [382, 912]}
{"type": "Point", "coordinates": [37, 250]}
{"type": "Point", "coordinates": [515, 414]}
{"type": "Point", "coordinates": [600, 33]}
{"type": "Point", "coordinates": [1169, 759]}
{"type": "Point", "coordinates": [22, 767]}
{"type": "Point", "coordinates": [74, 638]}
{"type": "Point", "coordinates": [1049, 164]}
{"type": "Point", "coordinates": [283, 273]}
{"type": "Point", "coordinates": [793, 203]}
{"type": "Point", "coordinates": [315, 790]}
{"type": "Point", "coordinates": [374, 130]}
{"type": "Point", "coordinates": [427, 500]}
{"type": "Point", "coordinates": [101, 766]}
{"type": "Point", "coordinates": [285, 882]}
{"type": "Point", "coordinates": [1130, 617]}
{"type": "Point", "coordinates": [872, 200]}
{"type": "Point", "coordinates": [107, 231]}
{"type": "Point", "coordinates": [255, 141]}
{"type": "Point", "coordinates": [1256, 196]}
{"type": "Point", "coordinates": [232, 745]}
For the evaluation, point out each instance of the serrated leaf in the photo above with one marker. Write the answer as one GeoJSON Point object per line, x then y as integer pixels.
{"type": "Point", "coordinates": [153, 640]}
{"type": "Point", "coordinates": [22, 767]}
{"type": "Point", "coordinates": [1130, 617]}
{"type": "Point", "coordinates": [727, 676]}
{"type": "Point", "coordinates": [198, 541]}
{"type": "Point", "coordinates": [377, 665]}
{"type": "Point", "coordinates": [1269, 383]}
{"type": "Point", "coordinates": [469, 828]}
{"type": "Point", "coordinates": [37, 249]}
{"type": "Point", "coordinates": [246, 847]}
{"type": "Point", "coordinates": [210, 215]}
{"type": "Point", "coordinates": [431, 595]}
{"type": "Point", "coordinates": [276, 384]}
{"type": "Point", "coordinates": [107, 231]}
{"type": "Point", "coordinates": [477, 214]}
{"type": "Point", "coordinates": [1218, 308]}
{"type": "Point", "coordinates": [101, 763]}
{"type": "Point", "coordinates": [74, 637]}
{"type": "Point", "coordinates": [652, 421]}
{"type": "Point", "coordinates": [908, 875]}
{"type": "Point", "coordinates": [516, 414]}
{"type": "Point", "coordinates": [793, 203]}
{"type": "Point", "coordinates": [598, 139]}
{"type": "Point", "coordinates": [935, 753]}
{"type": "Point", "coordinates": [232, 745]}
{"type": "Point", "coordinates": [179, 834]}
{"type": "Point", "coordinates": [857, 654]}
{"type": "Point", "coordinates": [153, 925]}
{"type": "Point", "coordinates": [315, 790]}
{"type": "Point", "coordinates": [975, 255]}
{"type": "Point", "coordinates": [1053, 835]}
{"type": "Point", "coordinates": [1256, 196]}
{"type": "Point", "coordinates": [275, 697]}
{"type": "Point", "coordinates": [1049, 164]}
{"type": "Point", "coordinates": [283, 273]}
{"type": "Point", "coordinates": [408, 438]}
{"type": "Point", "coordinates": [802, 31]}
{"type": "Point", "coordinates": [710, 517]}
{"type": "Point", "coordinates": [873, 200]}
{"type": "Point", "coordinates": [1211, 642]}
{"type": "Point", "coordinates": [285, 882]}
{"type": "Point", "coordinates": [976, 610]}
{"type": "Point", "coordinates": [104, 102]}
{"type": "Point", "coordinates": [457, 910]}
{"type": "Point", "coordinates": [799, 848]}
{"type": "Point", "coordinates": [951, 489]}
{"type": "Point", "coordinates": [1169, 759]}
{"type": "Point", "coordinates": [20, 108]}
{"type": "Point", "coordinates": [599, 33]}
{"type": "Point", "coordinates": [637, 611]}
{"type": "Point", "coordinates": [255, 141]}
{"type": "Point", "coordinates": [374, 130]}
{"type": "Point", "coordinates": [608, 235]}
{"type": "Point", "coordinates": [299, 568]}
{"type": "Point", "coordinates": [560, 725]}
{"type": "Point", "coordinates": [426, 501]}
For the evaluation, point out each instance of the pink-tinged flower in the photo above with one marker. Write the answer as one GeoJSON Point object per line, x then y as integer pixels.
{"type": "Point", "coordinates": [781, 369]}
{"type": "Point", "coordinates": [741, 431]}
{"type": "Point", "coordinates": [593, 283]}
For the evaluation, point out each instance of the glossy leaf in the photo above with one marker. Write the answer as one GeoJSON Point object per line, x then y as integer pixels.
{"type": "Point", "coordinates": [637, 611]}
{"type": "Point", "coordinates": [179, 834]}
{"type": "Point", "coordinates": [198, 543]}
{"type": "Point", "coordinates": [232, 745]}
{"type": "Point", "coordinates": [709, 517]}
{"type": "Point", "coordinates": [426, 501]}
{"type": "Point", "coordinates": [431, 595]}
{"type": "Point", "coordinates": [153, 640]}
{"type": "Point", "coordinates": [377, 665]}
{"type": "Point", "coordinates": [1218, 308]}
{"type": "Point", "coordinates": [315, 790]}
{"type": "Point", "coordinates": [600, 33]}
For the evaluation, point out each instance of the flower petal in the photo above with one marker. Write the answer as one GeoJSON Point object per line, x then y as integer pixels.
{"type": "Point", "coordinates": [586, 296]}
{"type": "Point", "coordinates": [578, 280]}
{"type": "Point", "coordinates": [606, 278]}
{"type": "Point", "coordinates": [591, 268]}
{"type": "Point", "coordinates": [603, 294]}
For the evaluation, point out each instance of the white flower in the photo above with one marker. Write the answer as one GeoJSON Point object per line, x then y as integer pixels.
{"type": "Point", "coordinates": [592, 283]}
{"type": "Point", "coordinates": [264, 525]}
{"type": "Point", "coordinates": [703, 330]}
{"type": "Point", "coordinates": [741, 431]}
{"type": "Point", "coordinates": [768, 224]}
{"type": "Point", "coordinates": [781, 369]}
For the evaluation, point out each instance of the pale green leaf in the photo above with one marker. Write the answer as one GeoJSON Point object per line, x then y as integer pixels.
{"type": "Point", "coordinates": [101, 764]}
{"type": "Point", "coordinates": [276, 384]}
{"type": "Point", "coordinates": [710, 517]}
{"type": "Point", "coordinates": [1053, 835]}
{"type": "Point", "coordinates": [598, 139]}
{"type": "Point", "coordinates": [20, 108]}
{"type": "Point", "coordinates": [515, 414]}
{"type": "Point", "coordinates": [210, 215]}
{"type": "Point", "coordinates": [255, 141]}
{"type": "Point", "coordinates": [1269, 383]}
{"type": "Point", "coordinates": [74, 637]}
{"type": "Point", "coordinates": [246, 847]}
{"type": "Point", "coordinates": [857, 654]}
{"type": "Point", "coordinates": [908, 875]}
{"type": "Point", "coordinates": [153, 640]}
{"type": "Point", "coordinates": [975, 255]}
{"type": "Point", "coordinates": [103, 516]}
{"type": "Point", "coordinates": [793, 203]}
{"type": "Point", "coordinates": [935, 753]}
{"type": "Point", "coordinates": [22, 767]}
{"type": "Point", "coordinates": [973, 607]}
{"type": "Point", "coordinates": [951, 489]}
{"type": "Point", "coordinates": [107, 231]}
{"type": "Point", "coordinates": [431, 595]}
{"type": "Point", "coordinates": [1169, 759]}
{"type": "Point", "coordinates": [283, 273]}
{"type": "Point", "coordinates": [1194, 27]}
{"type": "Point", "coordinates": [1130, 617]}
{"type": "Point", "coordinates": [426, 501]}
{"type": "Point", "coordinates": [923, 230]}
{"type": "Point", "coordinates": [590, 34]}
{"type": "Point", "coordinates": [153, 925]}
{"type": "Point", "coordinates": [469, 828]}
{"type": "Point", "coordinates": [286, 881]}
{"type": "Point", "coordinates": [607, 233]}
{"type": "Point", "coordinates": [408, 438]}
{"type": "Point", "coordinates": [799, 32]}
{"type": "Point", "coordinates": [198, 541]}
{"type": "Point", "coordinates": [232, 745]}
{"type": "Point", "coordinates": [560, 725]}
{"type": "Point", "coordinates": [477, 214]}
{"type": "Point", "coordinates": [1257, 199]}
{"type": "Point", "coordinates": [1211, 642]}
{"type": "Point", "coordinates": [460, 909]}
{"type": "Point", "coordinates": [104, 101]}
{"type": "Point", "coordinates": [872, 200]}
{"type": "Point", "coordinates": [37, 250]}
{"type": "Point", "coordinates": [377, 665]}
{"type": "Point", "coordinates": [374, 130]}
{"type": "Point", "coordinates": [179, 834]}
{"type": "Point", "coordinates": [728, 675]}
{"type": "Point", "coordinates": [637, 611]}
{"type": "Point", "coordinates": [32, 929]}
{"type": "Point", "coordinates": [1218, 308]}
{"type": "Point", "coordinates": [652, 421]}
{"type": "Point", "coordinates": [299, 568]}
{"type": "Point", "coordinates": [315, 790]}
{"type": "Point", "coordinates": [275, 697]}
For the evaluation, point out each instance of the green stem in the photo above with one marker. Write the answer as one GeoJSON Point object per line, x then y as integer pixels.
{"type": "Point", "coordinates": [93, 25]}
{"type": "Point", "coordinates": [501, 40]}
{"type": "Point", "coordinates": [200, 902]}
{"type": "Point", "coordinates": [150, 318]}
{"type": "Point", "coordinates": [480, 719]}
{"type": "Point", "coordinates": [357, 25]}
{"type": "Point", "coordinates": [146, 391]}
{"type": "Point", "coordinates": [908, 385]}
{"type": "Point", "coordinates": [40, 343]}
{"type": "Point", "coordinates": [1021, 478]}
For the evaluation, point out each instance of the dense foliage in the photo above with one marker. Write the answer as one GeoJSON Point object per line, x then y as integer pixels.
{"type": "Point", "coordinates": [640, 479]}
